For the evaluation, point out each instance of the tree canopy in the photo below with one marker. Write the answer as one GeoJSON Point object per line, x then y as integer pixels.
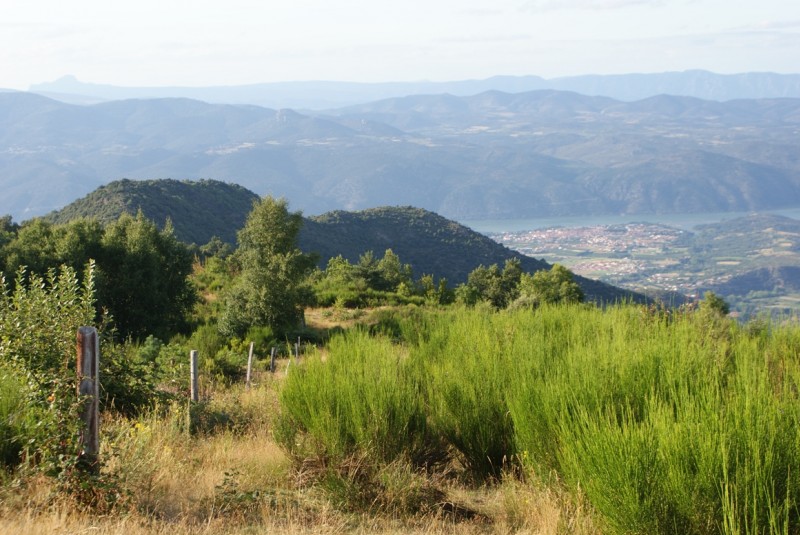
{"type": "Point", "coordinates": [270, 289]}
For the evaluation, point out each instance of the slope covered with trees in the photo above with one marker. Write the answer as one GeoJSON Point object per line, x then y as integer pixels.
{"type": "Point", "coordinates": [429, 243]}
{"type": "Point", "coordinates": [198, 210]}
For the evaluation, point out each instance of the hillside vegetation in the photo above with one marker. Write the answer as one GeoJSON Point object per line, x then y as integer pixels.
{"type": "Point", "coordinates": [377, 401]}
{"type": "Point", "coordinates": [198, 210]}
{"type": "Point", "coordinates": [430, 243]}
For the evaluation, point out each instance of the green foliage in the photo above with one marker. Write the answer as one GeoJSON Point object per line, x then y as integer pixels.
{"type": "Point", "coordinates": [131, 377]}
{"type": "Point", "coordinates": [143, 278]}
{"type": "Point", "coordinates": [370, 282]}
{"type": "Point", "coordinates": [551, 287]}
{"type": "Point", "coordinates": [141, 271]}
{"type": "Point", "coordinates": [714, 304]}
{"type": "Point", "coordinates": [200, 210]}
{"type": "Point", "coordinates": [497, 287]}
{"type": "Point", "coordinates": [40, 246]}
{"type": "Point", "coordinates": [270, 290]}
{"type": "Point", "coordinates": [362, 399]}
{"type": "Point", "coordinates": [664, 424]}
{"type": "Point", "coordinates": [38, 322]}
{"type": "Point", "coordinates": [12, 411]}
{"type": "Point", "coordinates": [465, 385]}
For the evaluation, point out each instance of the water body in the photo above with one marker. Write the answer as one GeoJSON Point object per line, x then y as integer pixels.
{"type": "Point", "coordinates": [681, 221]}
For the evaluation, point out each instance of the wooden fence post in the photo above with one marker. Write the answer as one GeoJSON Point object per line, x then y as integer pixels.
{"type": "Point", "coordinates": [88, 353]}
{"type": "Point", "coordinates": [297, 349]}
{"type": "Point", "coordinates": [272, 360]}
{"type": "Point", "coordinates": [249, 365]}
{"type": "Point", "coordinates": [193, 374]}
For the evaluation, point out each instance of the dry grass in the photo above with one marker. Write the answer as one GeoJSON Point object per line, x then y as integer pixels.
{"type": "Point", "coordinates": [238, 481]}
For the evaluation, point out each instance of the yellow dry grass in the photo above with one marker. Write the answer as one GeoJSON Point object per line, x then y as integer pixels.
{"type": "Point", "coordinates": [240, 482]}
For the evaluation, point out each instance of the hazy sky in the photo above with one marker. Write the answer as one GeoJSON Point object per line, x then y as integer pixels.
{"type": "Point", "coordinates": [201, 42]}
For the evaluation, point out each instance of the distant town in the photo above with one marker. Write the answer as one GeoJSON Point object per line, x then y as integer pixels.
{"type": "Point", "coordinates": [634, 255]}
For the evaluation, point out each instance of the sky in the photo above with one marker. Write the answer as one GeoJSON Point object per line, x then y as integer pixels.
{"type": "Point", "coordinates": [147, 43]}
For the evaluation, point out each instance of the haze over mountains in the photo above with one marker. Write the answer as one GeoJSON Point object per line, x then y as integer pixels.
{"type": "Point", "coordinates": [318, 95]}
{"type": "Point", "coordinates": [493, 155]}
{"type": "Point", "coordinates": [488, 156]}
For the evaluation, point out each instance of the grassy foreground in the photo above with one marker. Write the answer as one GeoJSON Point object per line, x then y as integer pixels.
{"type": "Point", "coordinates": [560, 420]}
{"type": "Point", "coordinates": [229, 476]}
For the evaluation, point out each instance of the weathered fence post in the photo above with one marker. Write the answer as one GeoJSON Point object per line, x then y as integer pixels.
{"type": "Point", "coordinates": [272, 360]}
{"type": "Point", "coordinates": [193, 374]}
{"type": "Point", "coordinates": [297, 349]}
{"type": "Point", "coordinates": [249, 364]}
{"type": "Point", "coordinates": [88, 353]}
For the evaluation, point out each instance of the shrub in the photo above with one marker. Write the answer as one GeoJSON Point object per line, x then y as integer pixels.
{"type": "Point", "coordinates": [364, 398]}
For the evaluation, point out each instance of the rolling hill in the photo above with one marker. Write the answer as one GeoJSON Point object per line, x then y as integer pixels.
{"type": "Point", "coordinates": [197, 210]}
{"type": "Point", "coordinates": [429, 242]}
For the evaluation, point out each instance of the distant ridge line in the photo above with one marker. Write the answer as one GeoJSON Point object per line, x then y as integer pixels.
{"type": "Point", "coordinates": [320, 95]}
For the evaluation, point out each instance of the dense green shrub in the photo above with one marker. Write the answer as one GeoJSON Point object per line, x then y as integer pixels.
{"type": "Point", "coordinates": [38, 324]}
{"type": "Point", "coordinates": [12, 409]}
{"type": "Point", "coordinates": [667, 421]}
{"type": "Point", "coordinates": [363, 398]}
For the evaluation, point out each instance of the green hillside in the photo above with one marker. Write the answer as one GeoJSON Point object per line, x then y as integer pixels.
{"type": "Point", "coordinates": [429, 242]}
{"type": "Point", "coordinates": [201, 209]}
{"type": "Point", "coordinates": [198, 209]}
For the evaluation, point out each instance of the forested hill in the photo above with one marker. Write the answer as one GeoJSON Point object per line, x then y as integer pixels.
{"type": "Point", "coordinates": [198, 209]}
{"type": "Point", "coordinates": [429, 242]}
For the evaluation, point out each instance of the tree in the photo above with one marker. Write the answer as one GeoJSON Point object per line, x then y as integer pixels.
{"type": "Point", "coordinates": [393, 272]}
{"type": "Point", "coordinates": [714, 304]}
{"type": "Point", "coordinates": [270, 289]}
{"type": "Point", "coordinates": [143, 278]}
{"type": "Point", "coordinates": [553, 286]}
{"type": "Point", "coordinates": [490, 284]}
{"type": "Point", "coordinates": [39, 245]}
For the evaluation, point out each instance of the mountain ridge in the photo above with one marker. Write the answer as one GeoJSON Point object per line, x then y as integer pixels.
{"type": "Point", "coordinates": [331, 94]}
{"type": "Point", "coordinates": [489, 156]}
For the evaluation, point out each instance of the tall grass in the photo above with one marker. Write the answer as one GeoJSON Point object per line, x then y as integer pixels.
{"type": "Point", "coordinates": [464, 364]}
{"type": "Point", "coordinates": [668, 423]}
{"type": "Point", "coordinates": [359, 397]}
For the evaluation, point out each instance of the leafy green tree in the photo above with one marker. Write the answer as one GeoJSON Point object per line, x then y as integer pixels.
{"type": "Point", "coordinates": [434, 293]}
{"type": "Point", "coordinates": [339, 270]}
{"type": "Point", "coordinates": [143, 278]}
{"type": "Point", "coordinates": [553, 286]}
{"type": "Point", "coordinates": [367, 273]}
{"type": "Point", "coordinates": [270, 290]}
{"type": "Point", "coordinates": [714, 304]}
{"type": "Point", "coordinates": [38, 322]}
{"type": "Point", "coordinates": [491, 284]}
{"type": "Point", "coordinates": [215, 247]}
{"type": "Point", "coordinates": [40, 245]}
{"type": "Point", "coordinates": [393, 272]}
{"type": "Point", "coordinates": [8, 230]}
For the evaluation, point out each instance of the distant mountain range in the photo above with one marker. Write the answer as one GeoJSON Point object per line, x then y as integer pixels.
{"type": "Point", "coordinates": [429, 242]}
{"type": "Point", "coordinates": [318, 95]}
{"type": "Point", "coordinates": [489, 156]}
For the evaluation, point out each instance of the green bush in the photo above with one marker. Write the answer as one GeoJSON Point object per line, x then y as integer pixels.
{"type": "Point", "coordinates": [465, 365]}
{"type": "Point", "coordinates": [668, 422]}
{"type": "Point", "coordinates": [363, 398]}
{"type": "Point", "coordinates": [12, 393]}
{"type": "Point", "coordinates": [38, 325]}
